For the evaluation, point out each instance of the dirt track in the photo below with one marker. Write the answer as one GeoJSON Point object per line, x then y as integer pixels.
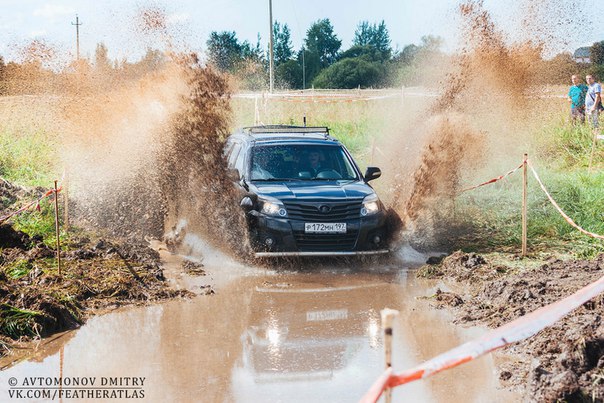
{"type": "Point", "coordinates": [563, 362]}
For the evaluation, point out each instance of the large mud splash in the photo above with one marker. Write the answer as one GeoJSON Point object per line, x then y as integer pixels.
{"type": "Point", "coordinates": [140, 156]}
{"type": "Point", "coordinates": [485, 111]}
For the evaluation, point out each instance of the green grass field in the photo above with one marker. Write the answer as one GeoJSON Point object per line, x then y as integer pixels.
{"type": "Point", "coordinates": [30, 156]}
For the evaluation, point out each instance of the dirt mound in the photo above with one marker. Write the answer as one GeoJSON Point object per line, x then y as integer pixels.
{"type": "Point", "coordinates": [567, 359]}
{"type": "Point", "coordinates": [35, 301]}
{"type": "Point", "coordinates": [11, 238]}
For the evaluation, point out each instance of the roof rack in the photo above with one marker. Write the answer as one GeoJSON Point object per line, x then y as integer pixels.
{"type": "Point", "coordinates": [286, 129]}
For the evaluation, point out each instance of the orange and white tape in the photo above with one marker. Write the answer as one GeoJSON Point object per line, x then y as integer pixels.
{"type": "Point", "coordinates": [519, 329]}
{"type": "Point", "coordinates": [494, 179]}
{"type": "Point", "coordinates": [562, 213]}
{"type": "Point", "coordinates": [29, 205]}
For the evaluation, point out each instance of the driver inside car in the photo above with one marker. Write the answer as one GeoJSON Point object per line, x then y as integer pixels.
{"type": "Point", "coordinates": [313, 164]}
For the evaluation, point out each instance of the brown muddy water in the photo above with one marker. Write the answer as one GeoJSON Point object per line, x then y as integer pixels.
{"type": "Point", "coordinates": [307, 334]}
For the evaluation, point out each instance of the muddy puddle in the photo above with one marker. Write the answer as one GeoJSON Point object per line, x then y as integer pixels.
{"type": "Point", "coordinates": [300, 335]}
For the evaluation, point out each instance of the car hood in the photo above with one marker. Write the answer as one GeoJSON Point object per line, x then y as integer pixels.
{"type": "Point", "coordinates": [301, 190]}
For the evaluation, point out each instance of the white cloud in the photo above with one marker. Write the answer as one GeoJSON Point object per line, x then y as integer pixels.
{"type": "Point", "coordinates": [53, 11]}
{"type": "Point", "coordinates": [37, 34]}
{"type": "Point", "coordinates": [178, 18]}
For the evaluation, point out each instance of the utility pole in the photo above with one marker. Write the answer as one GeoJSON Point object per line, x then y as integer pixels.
{"type": "Point", "coordinates": [271, 59]}
{"type": "Point", "coordinates": [303, 70]}
{"type": "Point", "coordinates": [77, 25]}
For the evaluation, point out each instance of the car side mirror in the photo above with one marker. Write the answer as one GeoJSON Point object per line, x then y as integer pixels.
{"type": "Point", "coordinates": [372, 173]}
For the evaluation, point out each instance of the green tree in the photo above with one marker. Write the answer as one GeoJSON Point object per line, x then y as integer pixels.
{"type": "Point", "coordinates": [597, 53]}
{"type": "Point", "coordinates": [224, 50]}
{"type": "Point", "coordinates": [322, 41]}
{"type": "Point", "coordinates": [374, 36]}
{"type": "Point", "coordinates": [289, 74]}
{"type": "Point", "coordinates": [352, 73]}
{"type": "Point", "coordinates": [101, 60]}
{"type": "Point", "coordinates": [153, 60]}
{"type": "Point", "coordinates": [282, 43]}
{"type": "Point", "coordinates": [253, 54]}
{"type": "Point", "coordinates": [3, 85]}
{"type": "Point", "coordinates": [408, 54]}
{"type": "Point", "coordinates": [367, 52]}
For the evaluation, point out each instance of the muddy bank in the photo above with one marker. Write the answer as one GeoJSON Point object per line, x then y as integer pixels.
{"type": "Point", "coordinates": [563, 362]}
{"type": "Point", "coordinates": [97, 275]}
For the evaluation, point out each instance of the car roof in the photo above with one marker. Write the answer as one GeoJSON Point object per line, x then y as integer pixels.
{"type": "Point", "coordinates": [286, 134]}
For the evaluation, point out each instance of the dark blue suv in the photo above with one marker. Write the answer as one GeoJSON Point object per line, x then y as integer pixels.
{"type": "Point", "coordinates": [303, 194]}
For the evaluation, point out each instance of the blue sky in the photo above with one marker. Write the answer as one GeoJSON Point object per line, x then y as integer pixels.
{"type": "Point", "coordinates": [189, 22]}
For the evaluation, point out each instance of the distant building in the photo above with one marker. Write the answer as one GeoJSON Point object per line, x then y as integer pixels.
{"type": "Point", "coordinates": [582, 55]}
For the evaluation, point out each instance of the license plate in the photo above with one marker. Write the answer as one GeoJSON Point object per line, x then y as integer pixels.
{"type": "Point", "coordinates": [325, 228]}
{"type": "Point", "coordinates": [320, 316]}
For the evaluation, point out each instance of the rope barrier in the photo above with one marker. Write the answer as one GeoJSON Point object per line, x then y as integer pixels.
{"type": "Point", "coordinates": [517, 330]}
{"type": "Point", "coordinates": [29, 205]}
{"type": "Point", "coordinates": [562, 213]}
{"type": "Point", "coordinates": [494, 179]}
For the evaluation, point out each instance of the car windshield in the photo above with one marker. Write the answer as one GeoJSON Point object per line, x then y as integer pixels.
{"type": "Point", "coordinates": [301, 162]}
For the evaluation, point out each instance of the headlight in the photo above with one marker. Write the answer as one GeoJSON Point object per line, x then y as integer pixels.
{"type": "Point", "coordinates": [371, 205]}
{"type": "Point", "coordinates": [272, 207]}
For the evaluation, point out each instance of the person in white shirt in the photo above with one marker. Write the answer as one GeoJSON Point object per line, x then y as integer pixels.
{"type": "Point", "coordinates": [593, 100]}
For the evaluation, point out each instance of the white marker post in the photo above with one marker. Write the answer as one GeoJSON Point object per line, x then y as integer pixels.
{"type": "Point", "coordinates": [388, 316]}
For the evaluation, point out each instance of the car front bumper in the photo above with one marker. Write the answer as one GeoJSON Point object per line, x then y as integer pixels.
{"type": "Point", "coordinates": [276, 236]}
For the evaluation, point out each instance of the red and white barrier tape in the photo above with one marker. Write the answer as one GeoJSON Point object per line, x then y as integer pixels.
{"type": "Point", "coordinates": [29, 205]}
{"type": "Point", "coordinates": [562, 213]}
{"type": "Point", "coordinates": [519, 329]}
{"type": "Point", "coordinates": [494, 179]}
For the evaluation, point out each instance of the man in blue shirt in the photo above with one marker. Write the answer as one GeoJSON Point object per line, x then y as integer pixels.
{"type": "Point", "coordinates": [576, 96]}
{"type": "Point", "coordinates": [593, 100]}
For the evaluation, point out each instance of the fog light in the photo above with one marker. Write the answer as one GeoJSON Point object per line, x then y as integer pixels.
{"type": "Point", "coordinates": [377, 239]}
{"type": "Point", "coordinates": [269, 241]}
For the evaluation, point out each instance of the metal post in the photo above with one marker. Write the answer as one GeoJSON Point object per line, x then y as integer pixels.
{"type": "Point", "coordinates": [57, 232]}
{"type": "Point", "coordinates": [271, 61]}
{"type": "Point", "coordinates": [388, 316]}
{"type": "Point", "coordinates": [524, 208]}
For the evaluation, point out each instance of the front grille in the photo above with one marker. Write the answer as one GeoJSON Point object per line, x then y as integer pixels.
{"type": "Point", "coordinates": [309, 211]}
{"type": "Point", "coordinates": [325, 242]}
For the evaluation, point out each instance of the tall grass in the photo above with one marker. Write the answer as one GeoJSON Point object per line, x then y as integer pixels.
{"type": "Point", "coordinates": [569, 146]}
{"type": "Point", "coordinates": [40, 224]}
{"type": "Point", "coordinates": [496, 211]}
{"type": "Point", "coordinates": [15, 322]}
{"type": "Point", "coordinates": [27, 158]}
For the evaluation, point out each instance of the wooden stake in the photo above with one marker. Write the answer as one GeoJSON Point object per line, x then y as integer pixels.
{"type": "Point", "coordinates": [593, 149]}
{"type": "Point", "coordinates": [66, 203]}
{"type": "Point", "coordinates": [524, 208]}
{"type": "Point", "coordinates": [372, 150]}
{"type": "Point", "coordinates": [57, 228]}
{"type": "Point", "coordinates": [388, 316]}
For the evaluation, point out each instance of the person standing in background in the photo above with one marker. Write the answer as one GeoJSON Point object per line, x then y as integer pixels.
{"type": "Point", "coordinates": [593, 101]}
{"type": "Point", "coordinates": [576, 96]}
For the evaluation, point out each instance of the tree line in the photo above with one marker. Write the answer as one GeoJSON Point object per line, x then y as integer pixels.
{"type": "Point", "coordinates": [321, 62]}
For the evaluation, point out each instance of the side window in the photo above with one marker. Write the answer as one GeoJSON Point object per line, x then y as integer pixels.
{"type": "Point", "coordinates": [240, 163]}
{"type": "Point", "coordinates": [232, 157]}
